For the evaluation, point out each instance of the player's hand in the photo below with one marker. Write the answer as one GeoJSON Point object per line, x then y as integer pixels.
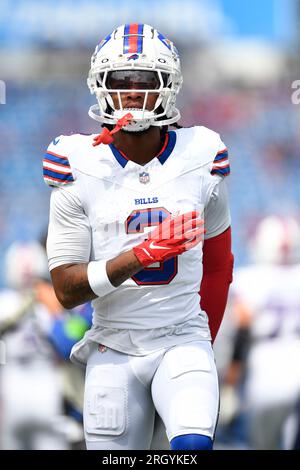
{"type": "Point", "coordinates": [171, 238]}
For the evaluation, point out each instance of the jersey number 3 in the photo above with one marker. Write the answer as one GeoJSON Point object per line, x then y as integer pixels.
{"type": "Point", "coordinates": [158, 273]}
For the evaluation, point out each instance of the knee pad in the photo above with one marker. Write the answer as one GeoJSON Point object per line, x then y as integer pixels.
{"type": "Point", "coordinates": [191, 442]}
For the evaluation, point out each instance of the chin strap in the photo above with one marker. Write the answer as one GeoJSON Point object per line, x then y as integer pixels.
{"type": "Point", "coordinates": [106, 136]}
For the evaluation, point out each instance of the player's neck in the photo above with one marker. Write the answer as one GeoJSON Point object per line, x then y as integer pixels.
{"type": "Point", "coordinates": [140, 147]}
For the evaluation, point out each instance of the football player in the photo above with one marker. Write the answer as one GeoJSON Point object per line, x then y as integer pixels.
{"type": "Point", "coordinates": [126, 231]}
{"type": "Point", "coordinates": [29, 420]}
{"type": "Point", "coordinates": [265, 304]}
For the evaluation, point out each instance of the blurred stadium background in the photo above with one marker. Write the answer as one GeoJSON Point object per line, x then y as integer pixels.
{"type": "Point", "coordinates": [239, 61]}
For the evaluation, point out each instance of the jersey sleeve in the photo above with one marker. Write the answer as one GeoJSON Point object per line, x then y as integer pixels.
{"type": "Point", "coordinates": [57, 171]}
{"type": "Point", "coordinates": [220, 164]}
{"type": "Point", "coordinates": [217, 213]}
{"type": "Point", "coordinates": [69, 233]}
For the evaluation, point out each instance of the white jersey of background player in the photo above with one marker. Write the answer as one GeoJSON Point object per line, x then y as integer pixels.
{"type": "Point", "coordinates": [30, 383]}
{"type": "Point", "coordinates": [269, 292]}
{"type": "Point", "coordinates": [105, 204]}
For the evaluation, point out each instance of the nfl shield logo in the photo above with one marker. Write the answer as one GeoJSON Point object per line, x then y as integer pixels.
{"type": "Point", "coordinates": [144, 177]}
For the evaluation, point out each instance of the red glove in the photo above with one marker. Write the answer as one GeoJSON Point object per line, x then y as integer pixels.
{"type": "Point", "coordinates": [171, 238]}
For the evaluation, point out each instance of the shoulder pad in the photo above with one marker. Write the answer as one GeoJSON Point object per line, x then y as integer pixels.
{"type": "Point", "coordinates": [217, 151]}
{"type": "Point", "coordinates": [206, 149]}
{"type": "Point", "coordinates": [56, 167]}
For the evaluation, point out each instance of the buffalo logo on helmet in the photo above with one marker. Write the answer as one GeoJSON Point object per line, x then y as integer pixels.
{"type": "Point", "coordinates": [133, 57]}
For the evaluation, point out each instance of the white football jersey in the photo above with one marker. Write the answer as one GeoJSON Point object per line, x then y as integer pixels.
{"type": "Point", "coordinates": [271, 294]}
{"type": "Point", "coordinates": [106, 204]}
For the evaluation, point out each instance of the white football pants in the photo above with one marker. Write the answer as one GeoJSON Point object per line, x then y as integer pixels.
{"type": "Point", "coordinates": [122, 393]}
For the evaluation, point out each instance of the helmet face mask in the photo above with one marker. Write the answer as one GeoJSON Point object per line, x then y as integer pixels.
{"type": "Point", "coordinates": [135, 59]}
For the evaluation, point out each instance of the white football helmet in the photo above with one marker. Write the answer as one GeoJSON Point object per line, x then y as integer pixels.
{"type": "Point", "coordinates": [24, 263]}
{"type": "Point", "coordinates": [276, 241]}
{"type": "Point", "coordinates": [135, 54]}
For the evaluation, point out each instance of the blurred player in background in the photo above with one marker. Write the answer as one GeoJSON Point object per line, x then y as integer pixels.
{"type": "Point", "coordinates": [126, 231]}
{"type": "Point", "coordinates": [39, 407]}
{"type": "Point", "coordinates": [31, 397]}
{"type": "Point", "coordinates": [265, 303]}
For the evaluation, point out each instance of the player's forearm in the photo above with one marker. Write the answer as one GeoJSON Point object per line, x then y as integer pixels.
{"type": "Point", "coordinates": [217, 276]}
{"type": "Point", "coordinates": [122, 267]}
{"type": "Point", "coordinates": [72, 285]}
{"type": "Point", "coordinates": [214, 293]}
